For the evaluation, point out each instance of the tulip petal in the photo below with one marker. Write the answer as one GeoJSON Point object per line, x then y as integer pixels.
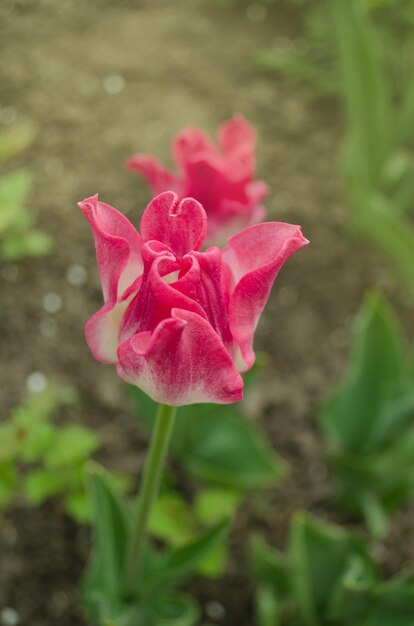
{"type": "Point", "coordinates": [182, 362]}
{"type": "Point", "coordinates": [181, 225]}
{"type": "Point", "coordinates": [118, 246]}
{"type": "Point", "coordinates": [190, 143]}
{"type": "Point", "coordinates": [235, 133]}
{"type": "Point", "coordinates": [158, 177]}
{"type": "Point", "coordinates": [254, 258]}
{"type": "Point", "coordinates": [157, 297]}
{"type": "Point", "coordinates": [118, 254]}
{"type": "Point", "coordinates": [102, 330]}
{"type": "Point", "coordinates": [237, 140]}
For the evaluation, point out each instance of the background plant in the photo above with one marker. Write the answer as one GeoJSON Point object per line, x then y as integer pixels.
{"type": "Point", "coordinates": [216, 444]}
{"type": "Point", "coordinates": [40, 459]}
{"type": "Point", "coordinates": [159, 602]}
{"type": "Point", "coordinates": [369, 420]}
{"type": "Point", "coordinates": [18, 237]}
{"type": "Point", "coordinates": [377, 163]}
{"type": "Point", "coordinates": [309, 58]}
{"type": "Point", "coordinates": [327, 576]}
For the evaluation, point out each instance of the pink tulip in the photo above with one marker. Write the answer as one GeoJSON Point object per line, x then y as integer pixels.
{"type": "Point", "coordinates": [179, 323]}
{"type": "Point", "coordinates": [220, 178]}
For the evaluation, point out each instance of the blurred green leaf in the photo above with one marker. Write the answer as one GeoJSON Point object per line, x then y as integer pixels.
{"type": "Point", "coordinates": [267, 607]}
{"type": "Point", "coordinates": [33, 243]}
{"type": "Point", "coordinates": [217, 444]}
{"type": "Point", "coordinates": [175, 564]}
{"type": "Point", "coordinates": [270, 565]}
{"type": "Point", "coordinates": [171, 520]}
{"type": "Point", "coordinates": [223, 448]}
{"type": "Point", "coordinates": [110, 527]}
{"type": "Point", "coordinates": [34, 442]}
{"type": "Point", "coordinates": [73, 445]}
{"type": "Point", "coordinates": [319, 556]}
{"type": "Point", "coordinates": [375, 370]}
{"type": "Point", "coordinates": [79, 506]}
{"type": "Point", "coordinates": [14, 188]}
{"type": "Point", "coordinates": [211, 505]}
{"type": "Point", "coordinates": [177, 610]}
{"type": "Point", "coordinates": [327, 577]}
{"type": "Point", "coordinates": [214, 564]}
{"type": "Point", "coordinates": [8, 481]}
{"type": "Point", "coordinates": [40, 485]}
{"type": "Point", "coordinates": [365, 89]}
{"type": "Point", "coordinates": [370, 421]}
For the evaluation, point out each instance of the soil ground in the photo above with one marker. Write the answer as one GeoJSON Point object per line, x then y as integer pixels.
{"type": "Point", "coordinates": [171, 64]}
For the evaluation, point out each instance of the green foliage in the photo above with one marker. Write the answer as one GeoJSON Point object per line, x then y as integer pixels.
{"type": "Point", "coordinates": [369, 420]}
{"type": "Point", "coordinates": [377, 165]}
{"type": "Point", "coordinates": [40, 459]}
{"type": "Point", "coordinates": [375, 77]}
{"type": "Point", "coordinates": [307, 58]}
{"type": "Point", "coordinates": [18, 238]}
{"type": "Point", "coordinates": [326, 578]}
{"type": "Point", "coordinates": [217, 445]}
{"type": "Point", "coordinates": [156, 601]}
{"type": "Point", "coordinates": [176, 522]}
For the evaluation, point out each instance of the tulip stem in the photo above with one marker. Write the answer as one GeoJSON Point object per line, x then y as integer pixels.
{"type": "Point", "coordinates": [160, 440]}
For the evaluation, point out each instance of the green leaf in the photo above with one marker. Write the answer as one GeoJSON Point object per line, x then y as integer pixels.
{"type": "Point", "coordinates": [40, 485]}
{"type": "Point", "coordinates": [351, 602]}
{"type": "Point", "coordinates": [271, 568]}
{"type": "Point", "coordinates": [405, 119]}
{"type": "Point", "coordinates": [177, 610]}
{"type": "Point", "coordinates": [267, 607]}
{"type": "Point", "coordinates": [110, 527]}
{"type": "Point", "coordinates": [212, 505]}
{"type": "Point", "coordinates": [35, 440]}
{"type": "Point", "coordinates": [393, 602]}
{"type": "Point", "coordinates": [8, 442]}
{"type": "Point", "coordinates": [217, 444]}
{"type": "Point", "coordinates": [225, 449]}
{"type": "Point", "coordinates": [394, 419]}
{"type": "Point", "coordinates": [175, 564]}
{"type": "Point", "coordinates": [375, 370]}
{"type": "Point", "coordinates": [73, 445]}
{"type": "Point", "coordinates": [8, 481]}
{"type": "Point", "coordinates": [14, 188]}
{"type": "Point", "coordinates": [145, 408]}
{"type": "Point", "coordinates": [78, 506]}
{"type": "Point", "coordinates": [320, 556]}
{"type": "Point", "coordinates": [365, 88]}
{"type": "Point", "coordinates": [214, 565]}
{"type": "Point", "coordinates": [31, 243]}
{"type": "Point", "coordinates": [171, 520]}
{"type": "Point", "coordinates": [375, 216]}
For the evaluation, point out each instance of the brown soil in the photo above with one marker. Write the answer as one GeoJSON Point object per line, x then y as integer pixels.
{"type": "Point", "coordinates": [185, 62]}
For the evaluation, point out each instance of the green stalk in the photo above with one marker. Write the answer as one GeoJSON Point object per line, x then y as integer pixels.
{"type": "Point", "coordinates": [148, 493]}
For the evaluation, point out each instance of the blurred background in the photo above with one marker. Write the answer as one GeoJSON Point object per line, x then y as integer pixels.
{"type": "Point", "coordinates": [82, 86]}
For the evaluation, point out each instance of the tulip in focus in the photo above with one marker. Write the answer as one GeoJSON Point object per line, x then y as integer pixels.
{"type": "Point", "coordinates": [220, 178]}
{"type": "Point", "coordinates": [177, 322]}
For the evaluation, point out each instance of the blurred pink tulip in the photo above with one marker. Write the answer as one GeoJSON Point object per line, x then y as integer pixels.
{"type": "Point", "coordinates": [221, 178]}
{"type": "Point", "coordinates": [179, 323]}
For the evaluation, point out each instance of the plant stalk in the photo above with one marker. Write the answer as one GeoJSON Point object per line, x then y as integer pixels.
{"type": "Point", "coordinates": [160, 440]}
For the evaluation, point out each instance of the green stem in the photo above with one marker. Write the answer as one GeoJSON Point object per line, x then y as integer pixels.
{"type": "Point", "coordinates": [148, 493]}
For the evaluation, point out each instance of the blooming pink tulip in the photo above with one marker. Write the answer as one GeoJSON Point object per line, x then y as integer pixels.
{"type": "Point", "coordinates": [220, 178]}
{"type": "Point", "coordinates": [179, 323]}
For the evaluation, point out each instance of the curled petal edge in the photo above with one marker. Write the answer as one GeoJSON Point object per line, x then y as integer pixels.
{"type": "Point", "coordinates": [254, 258]}
{"type": "Point", "coordinates": [182, 362]}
